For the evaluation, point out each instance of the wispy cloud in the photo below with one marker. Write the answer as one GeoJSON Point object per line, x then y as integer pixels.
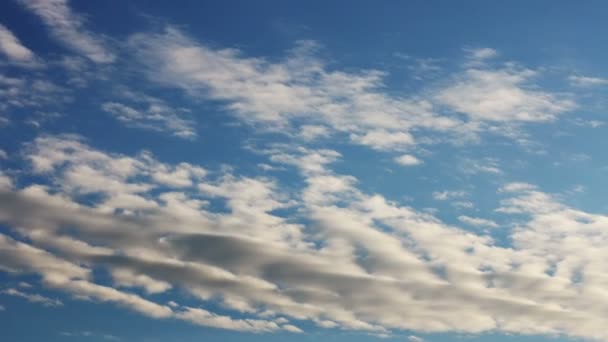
{"type": "Point", "coordinates": [587, 81]}
{"type": "Point", "coordinates": [413, 338]}
{"type": "Point", "coordinates": [448, 194]}
{"type": "Point", "coordinates": [14, 49]}
{"type": "Point", "coordinates": [300, 90]}
{"type": "Point", "coordinates": [33, 297]}
{"type": "Point", "coordinates": [277, 95]}
{"type": "Point", "coordinates": [155, 115]}
{"type": "Point", "coordinates": [85, 334]}
{"type": "Point", "coordinates": [69, 28]}
{"type": "Point", "coordinates": [477, 222]}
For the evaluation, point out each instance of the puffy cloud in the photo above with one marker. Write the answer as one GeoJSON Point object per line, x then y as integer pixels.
{"type": "Point", "coordinates": [408, 160]}
{"type": "Point", "coordinates": [339, 261]}
{"type": "Point", "coordinates": [340, 257]}
{"type": "Point", "coordinates": [502, 95]}
{"type": "Point", "coordinates": [482, 53]}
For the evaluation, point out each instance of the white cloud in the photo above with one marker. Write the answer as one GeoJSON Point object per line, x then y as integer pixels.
{"type": "Point", "coordinates": [483, 165]}
{"type": "Point", "coordinates": [300, 96]}
{"type": "Point", "coordinates": [156, 116]}
{"type": "Point", "coordinates": [413, 338]}
{"type": "Point", "coordinates": [108, 337]}
{"type": "Point", "coordinates": [33, 298]}
{"type": "Point", "coordinates": [296, 95]}
{"type": "Point", "coordinates": [502, 95]}
{"type": "Point", "coordinates": [448, 194]}
{"type": "Point", "coordinates": [463, 204]}
{"type": "Point", "coordinates": [13, 48]}
{"type": "Point", "coordinates": [517, 187]}
{"type": "Point", "coordinates": [338, 260]}
{"type": "Point", "coordinates": [477, 222]}
{"type": "Point", "coordinates": [408, 160]}
{"type": "Point", "coordinates": [587, 81]}
{"type": "Point", "coordinates": [343, 268]}
{"type": "Point", "coordinates": [5, 181]}
{"type": "Point", "coordinates": [312, 132]}
{"type": "Point", "coordinates": [588, 123]}
{"type": "Point", "coordinates": [69, 28]}
{"type": "Point", "coordinates": [482, 53]}
{"type": "Point", "coordinates": [30, 92]}
{"type": "Point", "coordinates": [383, 139]}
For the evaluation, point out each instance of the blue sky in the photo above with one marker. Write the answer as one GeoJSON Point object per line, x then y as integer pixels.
{"type": "Point", "coordinates": [281, 171]}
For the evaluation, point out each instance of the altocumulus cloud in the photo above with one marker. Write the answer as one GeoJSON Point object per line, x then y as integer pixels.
{"type": "Point", "coordinates": [345, 257]}
{"type": "Point", "coordinates": [156, 235]}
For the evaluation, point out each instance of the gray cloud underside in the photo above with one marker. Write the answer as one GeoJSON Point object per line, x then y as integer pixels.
{"type": "Point", "coordinates": [361, 262]}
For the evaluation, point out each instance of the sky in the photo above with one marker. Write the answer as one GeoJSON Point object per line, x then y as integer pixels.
{"type": "Point", "coordinates": [415, 171]}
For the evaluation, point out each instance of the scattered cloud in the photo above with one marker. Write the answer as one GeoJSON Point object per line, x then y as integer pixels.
{"type": "Point", "coordinates": [337, 259]}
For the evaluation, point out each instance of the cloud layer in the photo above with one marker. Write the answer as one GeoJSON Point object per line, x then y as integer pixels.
{"type": "Point", "coordinates": [302, 241]}
{"type": "Point", "coordinates": [361, 262]}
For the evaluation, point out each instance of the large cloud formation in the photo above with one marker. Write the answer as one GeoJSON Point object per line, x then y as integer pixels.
{"type": "Point", "coordinates": [347, 259]}
{"type": "Point", "coordinates": [276, 256]}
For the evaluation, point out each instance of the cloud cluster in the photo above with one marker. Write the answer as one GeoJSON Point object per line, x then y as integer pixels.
{"type": "Point", "coordinates": [273, 256]}
{"type": "Point", "coordinates": [347, 260]}
{"type": "Point", "coordinates": [301, 93]}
